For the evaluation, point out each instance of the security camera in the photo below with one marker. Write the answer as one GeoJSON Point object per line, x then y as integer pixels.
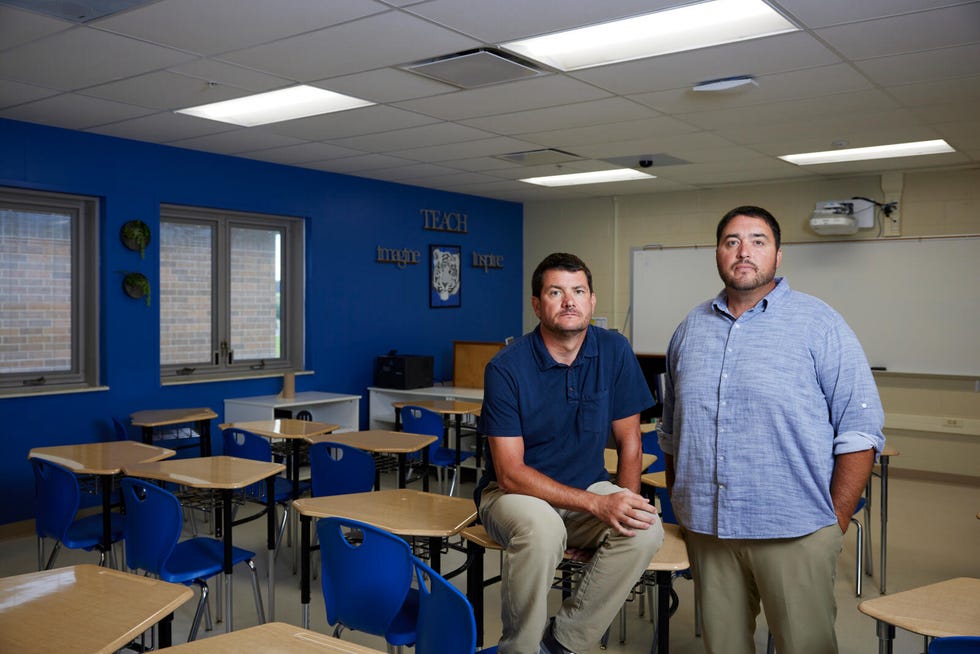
{"type": "Point", "coordinates": [645, 163]}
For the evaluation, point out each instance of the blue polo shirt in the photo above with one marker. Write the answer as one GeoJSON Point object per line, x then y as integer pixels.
{"type": "Point", "coordinates": [564, 413]}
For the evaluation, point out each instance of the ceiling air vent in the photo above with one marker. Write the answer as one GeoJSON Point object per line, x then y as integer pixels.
{"type": "Point", "coordinates": [474, 68]}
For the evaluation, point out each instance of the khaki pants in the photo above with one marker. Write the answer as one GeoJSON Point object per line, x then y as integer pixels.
{"type": "Point", "coordinates": [534, 535]}
{"type": "Point", "coordinates": [793, 578]}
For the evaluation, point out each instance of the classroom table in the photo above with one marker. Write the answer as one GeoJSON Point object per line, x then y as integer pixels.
{"type": "Point", "coordinates": [151, 419]}
{"type": "Point", "coordinates": [455, 408]}
{"type": "Point", "coordinates": [611, 460]}
{"type": "Point", "coordinates": [224, 474]}
{"type": "Point", "coordinates": [405, 512]}
{"type": "Point", "coordinates": [384, 441]}
{"type": "Point", "coordinates": [105, 460]}
{"type": "Point", "coordinates": [84, 609]}
{"type": "Point", "coordinates": [296, 431]}
{"type": "Point", "coordinates": [947, 608]}
{"type": "Point", "coordinates": [273, 638]}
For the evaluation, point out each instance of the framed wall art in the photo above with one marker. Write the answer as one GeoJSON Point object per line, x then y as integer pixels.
{"type": "Point", "coordinates": [445, 291]}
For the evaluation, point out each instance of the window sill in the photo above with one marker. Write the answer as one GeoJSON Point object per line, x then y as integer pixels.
{"type": "Point", "coordinates": [37, 392]}
{"type": "Point", "coordinates": [201, 379]}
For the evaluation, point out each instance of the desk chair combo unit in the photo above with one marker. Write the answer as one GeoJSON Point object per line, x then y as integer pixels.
{"type": "Point", "coordinates": [58, 499]}
{"type": "Point", "coordinates": [420, 420]}
{"type": "Point", "coordinates": [373, 583]}
{"type": "Point", "coordinates": [246, 445]}
{"type": "Point", "coordinates": [154, 520]}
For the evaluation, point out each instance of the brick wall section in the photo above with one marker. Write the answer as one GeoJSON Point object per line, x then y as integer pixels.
{"type": "Point", "coordinates": [186, 290]}
{"type": "Point", "coordinates": [35, 293]}
{"type": "Point", "coordinates": [254, 302]}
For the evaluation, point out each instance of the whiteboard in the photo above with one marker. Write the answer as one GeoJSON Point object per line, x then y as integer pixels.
{"type": "Point", "coordinates": [913, 303]}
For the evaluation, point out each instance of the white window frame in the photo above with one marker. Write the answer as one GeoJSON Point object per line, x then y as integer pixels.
{"type": "Point", "coordinates": [84, 368]}
{"type": "Point", "coordinates": [292, 295]}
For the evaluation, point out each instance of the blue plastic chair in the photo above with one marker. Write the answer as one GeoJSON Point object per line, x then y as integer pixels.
{"type": "Point", "coordinates": [246, 445]}
{"type": "Point", "coordinates": [446, 624]}
{"type": "Point", "coordinates": [419, 420]}
{"type": "Point", "coordinates": [337, 469]}
{"type": "Point", "coordinates": [153, 524]}
{"type": "Point", "coordinates": [58, 497]}
{"type": "Point", "coordinates": [366, 579]}
{"type": "Point", "coordinates": [955, 645]}
{"type": "Point", "coordinates": [652, 446]}
{"type": "Point", "coordinates": [119, 429]}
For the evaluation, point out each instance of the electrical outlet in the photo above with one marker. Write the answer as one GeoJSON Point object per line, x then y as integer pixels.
{"type": "Point", "coordinates": [953, 423]}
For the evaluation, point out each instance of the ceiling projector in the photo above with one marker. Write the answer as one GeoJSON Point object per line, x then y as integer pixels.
{"type": "Point", "coordinates": [842, 217]}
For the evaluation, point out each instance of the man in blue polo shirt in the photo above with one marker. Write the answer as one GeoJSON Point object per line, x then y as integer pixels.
{"type": "Point", "coordinates": [551, 401]}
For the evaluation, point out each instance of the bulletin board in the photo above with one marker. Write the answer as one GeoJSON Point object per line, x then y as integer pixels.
{"type": "Point", "coordinates": [914, 303]}
{"type": "Point", "coordinates": [469, 360]}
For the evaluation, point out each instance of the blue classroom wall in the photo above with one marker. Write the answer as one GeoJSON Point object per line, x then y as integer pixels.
{"type": "Point", "coordinates": [356, 308]}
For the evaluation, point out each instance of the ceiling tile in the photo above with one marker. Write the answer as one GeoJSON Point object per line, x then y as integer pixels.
{"type": "Point", "coordinates": [82, 57]}
{"type": "Point", "coordinates": [961, 61]}
{"type": "Point", "coordinates": [306, 57]}
{"type": "Point", "coordinates": [235, 141]}
{"type": "Point", "coordinates": [385, 85]}
{"type": "Point", "coordinates": [220, 72]}
{"type": "Point", "coordinates": [367, 120]}
{"type": "Point", "coordinates": [216, 26]}
{"type": "Point", "coordinates": [162, 127]}
{"type": "Point", "coordinates": [608, 110]}
{"type": "Point", "coordinates": [73, 111]}
{"type": "Point", "coordinates": [164, 90]}
{"type": "Point", "coordinates": [506, 98]}
{"type": "Point", "coordinates": [414, 137]}
{"type": "Point", "coordinates": [909, 33]}
{"type": "Point", "coordinates": [13, 93]}
{"type": "Point", "coordinates": [832, 12]}
{"type": "Point", "coordinates": [18, 26]}
{"type": "Point", "coordinates": [467, 150]}
{"type": "Point", "coordinates": [300, 153]}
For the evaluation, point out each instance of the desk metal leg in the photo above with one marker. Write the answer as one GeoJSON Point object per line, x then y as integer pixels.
{"type": "Point", "coordinates": [270, 535]}
{"type": "Point", "coordinates": [474, 585]}
{"type": "Point", "coordinates": [304, 568]}
{"type": "Point", "coordinates": [226, 541]}
{"type": "Point", "coordinates": [165, 631]}
{"type": "Point", "coordinates": [884, 520]}
{"type": "Point", "coordinates": [459, 445]}
{"type": "Point", "coordinates": [435, 553]}
{"type": "Point", "coordinates": [425, 469]}
{"type": "Point", "coordinates": [886, 635]}
{"type": "Point", "coordinates": [661, 643]}
{"type": "Point", "coordinates": [204, 431]}
{"type": "Point", "coordinates": [106, 490]}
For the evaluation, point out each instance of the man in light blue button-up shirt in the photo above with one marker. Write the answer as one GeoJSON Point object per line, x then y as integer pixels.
{"type": "Point", "coordinates": [770, 426]}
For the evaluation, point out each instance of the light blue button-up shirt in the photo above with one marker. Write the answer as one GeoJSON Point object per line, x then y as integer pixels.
{"type": "Point", "coordinates": [755, 409]}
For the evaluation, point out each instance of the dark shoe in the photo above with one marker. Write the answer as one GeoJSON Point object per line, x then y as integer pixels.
{"type": "Point", "coordinates": [549, 645]}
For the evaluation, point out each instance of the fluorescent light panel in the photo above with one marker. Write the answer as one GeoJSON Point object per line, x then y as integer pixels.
{"type": "Point", "coordinates": [597, 177]}
{"type": "Point", "coordinates": [674, 30]}
{"type": "Point", "coordinates": [913, 149]}
{"type": "Point", "coordinates": [276, 106]}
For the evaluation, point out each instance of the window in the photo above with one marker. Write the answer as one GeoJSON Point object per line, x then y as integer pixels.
{"type": "Point", "coordinates": [48, 292]}
{"type": "Point", "coordinates": [231, 293]}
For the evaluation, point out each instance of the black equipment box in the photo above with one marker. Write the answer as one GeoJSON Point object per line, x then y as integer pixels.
{"type": "Point", "coordinates": [403, 371]}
